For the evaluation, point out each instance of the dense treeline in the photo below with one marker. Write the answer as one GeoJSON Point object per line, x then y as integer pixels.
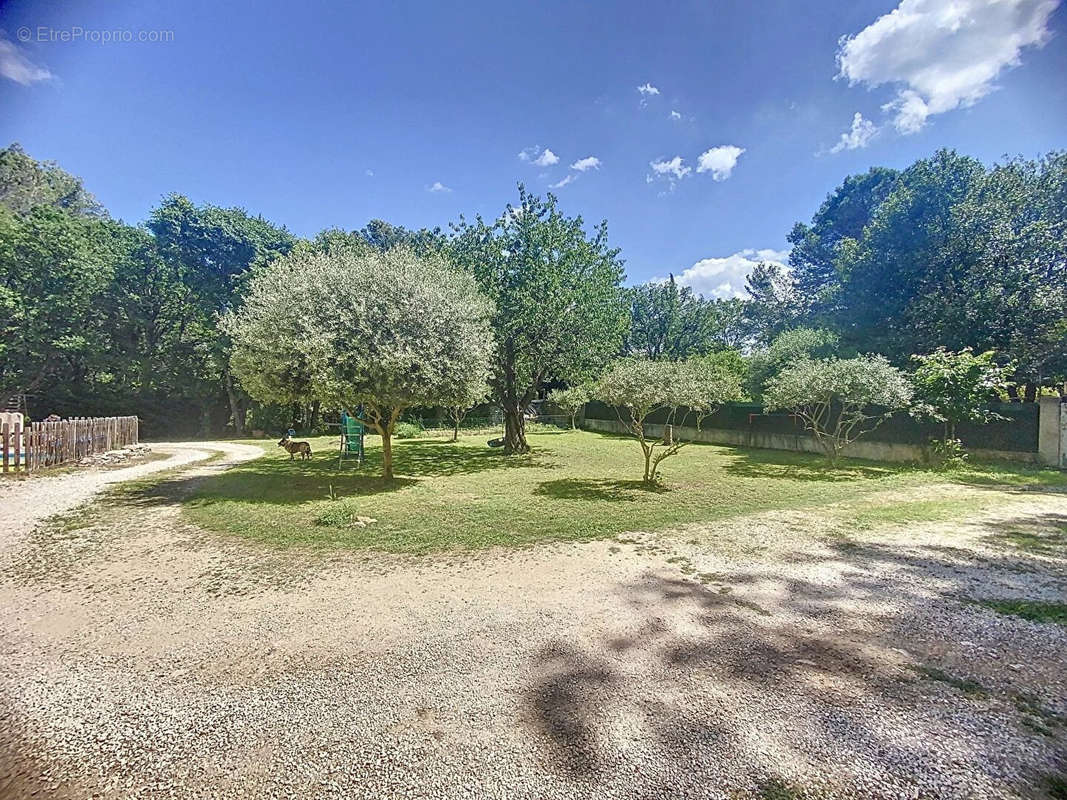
{"type": "Point", "coordinates": [102, 317]}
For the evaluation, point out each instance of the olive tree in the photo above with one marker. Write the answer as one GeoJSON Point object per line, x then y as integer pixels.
{"type": "Point", "coordinates": [382, 330]}
{"type": "Point", "coordinates": [839, 400]}
{"type": "Point", "coordinates": [571, 399]}
{"type": "Point", "coordinates": [685, 392]}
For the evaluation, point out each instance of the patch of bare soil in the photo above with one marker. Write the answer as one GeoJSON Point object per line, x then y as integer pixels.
{"type": "Point", "coordinates": [786, 651]}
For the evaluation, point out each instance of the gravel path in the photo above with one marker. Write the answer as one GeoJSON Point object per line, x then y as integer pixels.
{"type": "Point", "coordinates": [27, 502]}
{"type": "Point", "coordinates": [776, 655]}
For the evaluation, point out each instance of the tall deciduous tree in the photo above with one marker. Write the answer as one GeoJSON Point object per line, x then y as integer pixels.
{"type": "Point", "coordinates": [672, 321]}
{"type": "Point", "coordinates": [383, 330]}
{"type": "Point", "coordinates": [559, 312]}
{"type": "Point", "coordinates": [26, 183]}
{"type": "Point", "coordinates": [787, 348]}
{"type": "Point", "coordinates": [55, 268]}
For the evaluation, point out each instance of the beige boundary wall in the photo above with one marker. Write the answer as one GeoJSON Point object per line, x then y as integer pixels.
{"type": "Point", "coordinates": [869, 449]}
{"type": "Point", "coordinates": [1052, 433]}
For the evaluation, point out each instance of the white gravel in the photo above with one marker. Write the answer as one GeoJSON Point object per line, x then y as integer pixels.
{"type": "Point", "coordinates": [29, 500]}
{"type": "Point", "coordinates": [719, 661]}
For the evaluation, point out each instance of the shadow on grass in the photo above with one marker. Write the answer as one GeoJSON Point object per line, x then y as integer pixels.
{"type": "Point", "coordinates": [787, 465]}
{"type": "Point", "coordinates": [1044, 535]}
{"type": "Point", "coordinates": [588, 489]}
{"type": "Point", "coordinates": [276, 479]}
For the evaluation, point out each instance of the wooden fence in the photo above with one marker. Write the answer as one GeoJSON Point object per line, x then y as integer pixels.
{"type": "Point", "coordinates": [48, 444]}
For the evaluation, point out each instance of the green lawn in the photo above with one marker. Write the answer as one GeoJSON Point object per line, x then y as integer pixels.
{"type": "Point", "coordinates": [575, 485]}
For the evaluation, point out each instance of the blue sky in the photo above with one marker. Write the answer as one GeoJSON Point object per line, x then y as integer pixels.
{"type": "Point", "coordinates": [330, 114]}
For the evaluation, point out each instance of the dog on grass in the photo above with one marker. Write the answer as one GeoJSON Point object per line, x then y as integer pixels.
{"type": "Point", "coordinates": [303, 449]}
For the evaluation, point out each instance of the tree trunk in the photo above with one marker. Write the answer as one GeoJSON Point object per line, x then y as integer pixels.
{"type": "Point", "coordinates": [515, 429]}
{"type": "Point", "coordinates": [455, 430]}
{"type": "Point", "coordinates": [1013, 393]}
{"type": "Point", "coordinates": [237, 408]}
{"type": "Point", "coordinates": [574, 415]}
{"type": "Point", "coordinates": [314, 415]}
{"type": "Point", "coordinates": [1031, 393]}
{"type": "Point", "coordinates": [387, 454]}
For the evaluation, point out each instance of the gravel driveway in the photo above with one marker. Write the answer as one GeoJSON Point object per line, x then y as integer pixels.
{"type": "Point", "coordinates": [775, 655]}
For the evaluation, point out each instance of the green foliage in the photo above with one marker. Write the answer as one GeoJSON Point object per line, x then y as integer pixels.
{"type": "Point", "coordinates": [688, 391]}
{"type": "Point", "coordinates": [558, 304]}
{"type": "Point", "coordinates": [383, 330]}
{"type": "Point", "coordinates": [406, 430]}
{"type": "Point", "coordinates": [946, 253]}
{"type": "Point", "coordinates": [672, 322]}
{"type": "Point", "coordinates": [774, 305]}
{"type": "Point", "coordinates": [26, 184]}
{"type": "Point", "coordinates": [572, 399]}
{"type": "Point", "coordinates": [946, 453]}
{"type": "Point", "coordinates": [955, 387]}
{"type": "Point", "coordinates": [55, 268]}
{"type": "Point", "coordinates": [788, 347]}
{"type": "Point", "coordinates": [839, 399]}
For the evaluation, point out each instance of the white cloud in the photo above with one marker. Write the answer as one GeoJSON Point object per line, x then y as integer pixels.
{"type": "Point", "coordinates": [535, 155]}
{"type": "Point", "coordinates": [648, 90]}
{"type": "Point", "coordinates": [369, 173]}
{"type": "Point", "coordinates": [719, 161]}
{"type": "Point", "coordinates": [725, 276]}
{"type": "Point", "coordinates": [673, 169]}
{"type": "Point", "coordinates": [859, 135]}
{"type": "Point", "coordinates": [675, 115]}
{"type": "Point", "coordinates": [15, 66]}
{"type": "Point", "coordinates": [437, 186]}
{"type": "Point", "coordinates": [546, 159]}
{"type": "Point", "coordinates": [587, 163]}
{"type": "Point", "coordinates": [568, 179]}
{"type": "Point", "coordinates": [942, 54]}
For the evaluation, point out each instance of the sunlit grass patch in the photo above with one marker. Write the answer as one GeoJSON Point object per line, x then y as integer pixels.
{"type": "Point", "coordinates": [573, 486]}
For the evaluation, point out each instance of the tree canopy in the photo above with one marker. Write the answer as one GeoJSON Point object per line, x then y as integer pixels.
{"type": "Point", "coordinates": [839, 400]}
{"type": "Point", "coordinates": [557, 298]}
{"type": "Point", "coordinates": [383, 331]}
{"type": "Point", "coordinates": [945, 253]}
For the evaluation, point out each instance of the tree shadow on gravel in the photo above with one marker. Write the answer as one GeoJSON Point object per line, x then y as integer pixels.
{"type": "Point", "coordinates": [693, 674]}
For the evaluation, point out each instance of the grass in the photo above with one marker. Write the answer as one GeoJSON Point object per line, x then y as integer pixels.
{"type": "Point", "coordinates": [965, 685]}
{"type": "Point", "coordinates": [574, 486]}
{"type": "Point", "coordinates": [915, 511]}
{"type": "Point", "coordinates": [1032, 610]}
{"type": "Point", "coordinates": [1051, 542]}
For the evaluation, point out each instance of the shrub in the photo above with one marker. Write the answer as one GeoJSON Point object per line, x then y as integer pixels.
{"type": "Point", "coordinates": [955, 387]}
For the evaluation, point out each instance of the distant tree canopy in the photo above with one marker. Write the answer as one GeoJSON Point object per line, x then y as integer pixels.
{"type": "Point", "coordinates": [672, 322]}
{"type": "Point", "coordinates": [26, 184]}
{"type": "Point", "coordinates": [946, 253]}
